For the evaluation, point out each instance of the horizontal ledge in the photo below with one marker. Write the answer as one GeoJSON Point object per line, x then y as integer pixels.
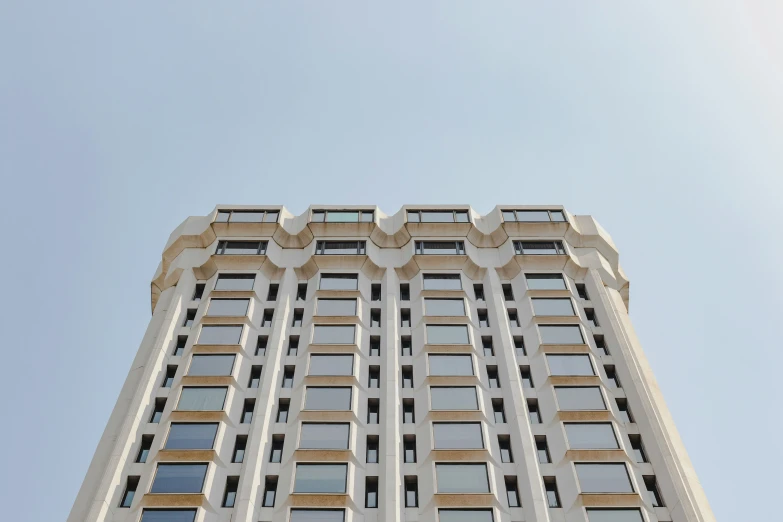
{"type": "Point", "coordinates": [209, 380]}
{"type": "Point", "coordinates": [443, 293]}
{"type": "Point", "coordinates": [173, 500]}
{"type": "Point", "coordinates": [564, 348]}
{"type": "Point", "coordinates": [319, 499]}
{"type": "Point", "coordinates": [444, 455]}
{"type": "Point", "coordinates": [453, 380]}
{"type": "Point", "coordinates": [611, 499]}
{"type": "Point", "coordinates": [322, 455]}
{"type": "Point", "coordinates": [464, 499]}
{"type": "Point", "coordinates": [184, 415]}
{"type": "Point", "coordinates": [168, 455]}
{"type": "Point", "coordinates": [556, 319]}
{"type": "Point", "coordinates": [226, 319]}
{"type": "Point", "coordinates": [455, 348]}
{"type": "Point", "coordinates": [330, 380]}
{"type": "Point", "coordinates": [548, 293]}
{"type": "Point", "coordinates": [326, 415]}
{"type": "Point", "coordinates": [578, 455]}
{"type": "Point", "coordinates": [250, 294]}
{"type": "Point", "coordinates": [338, 293]}
{"type": "Point", "coordinates": [445, 319]}
{"type": "Point", "coordinates": [216, 348]}
{"type": "Point", "coordinates": [586, 415]}
{"type": "Point", "coordinates": [574, 379]}
{"type": "Point", "coordinates": [336, 319]}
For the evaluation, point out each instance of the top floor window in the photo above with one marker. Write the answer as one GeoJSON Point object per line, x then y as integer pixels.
{"type": "Point", "coordinates": [534, 216]}
{"type": "Point", "coordinates": [539, 248]}
{"type": "Point", "coordinates": [440, 247]}
{"type": "Point", "coordinates": [241, 248]}
{"type": "Point", "coordinates": [340, 247]}
{"type": "Point", "coordinates": [438, 216]}
{"type": "Point", "coordinates": [342, 216]}
{"type": "Point", "coordinates": [247, 216]}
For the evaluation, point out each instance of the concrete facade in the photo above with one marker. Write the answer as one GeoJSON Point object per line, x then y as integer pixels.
{"type": "Point", "coordinates": [509, 342]}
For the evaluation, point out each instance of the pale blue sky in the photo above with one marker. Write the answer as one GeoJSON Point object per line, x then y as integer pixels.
{"type": "Point", "coordinates": [664, 119]}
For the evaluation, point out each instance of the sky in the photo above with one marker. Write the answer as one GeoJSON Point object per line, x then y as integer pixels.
{"type": "Point", "coordinates": [663, 119]}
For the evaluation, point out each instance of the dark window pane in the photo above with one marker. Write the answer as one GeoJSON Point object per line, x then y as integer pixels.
{"type": "Point", "coordinates": [179, 478]}
{"type": "Point", "coordinates": [339, 282]}
{"type": "Point", "coordinates": [235, 282]}
{"type": "Point", "coordinates": [442, 282]}
{"type": "Point", "coordinates": [337, 307]}
{"type": "Point", "coordinates": [202, 399]}
{"type": "Point", "coordinates": [545, 282]}
{"type": "Point", "coordinates": [187, 436]}
{"type": "Point", "coordinates": [557, 306]}
{"type": "Point", "coordinates": [614, 515]}
{"type": "Point", "coordinates": [603, 478]}
{"type": "Point", "coordinates": [561, 334]}
{"type": "Point", "coordinates": [465, 515]}
{"type": "Point", "coordinates": [317, 515]}
{"type": "Point", "coordinates": [168, 515]}
{"type": "Point", "coordinates": [207, 365]}
{"type": "Point", "coordinates": [322, 364]}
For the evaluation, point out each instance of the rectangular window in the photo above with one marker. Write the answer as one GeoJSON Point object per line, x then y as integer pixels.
{"type": "Point", "coordinates": [228, 307]}
{"type": "Point", "coordinates": [195, 398]}
{"type": "Point", "coordinates": [408, 411]}
{"type": "Point", "coordinates": [504, 443]}
{"type": "Point", "coordinates": [450, 364]}
{"type": "Point", "coordinates": [483, 317]}
{"type": "Point", "coordinates": [428, 248]}
{"type": "Point", "coordinates": [603, 478]}
{"type": "Point", "coordinates": [211, 365]}
{"type": "Point", "coordinates": [241, 248]}
{"type": "Point", "coordinates": [296, 321]}
{"type": "Point", "coordinates": [442, 282]}
{"type": "Point", "coordinates": [550, 488]}
{"type": "Point", "coordinates": [545, 282]}
{"type": "Point", "coordinates": [411, 492]}
{"type": "Point", "coordinates": [339, 282]}
{"type": "Point", "coordinates": [282, 410]}
{"type": "Point", "coordinates": [405, 318]}
{"type": "Point", "coordinates": [255, 377]}
{"type": "Point", "coordinates": [273, 290]}
{"type": "Point", "coordinates": [591, 435]}
{"type": "Point", "coordinates": [624, 411]}
{"type": "Point", "coordinates": [437, 216]}
{"type": "Point", "coordinates": [527, 378]}
{"type": "Point", "coordinates": [489, 349]}
{"type": "Point", "coordinates": [331, 364]}
{"type": "Point", "coordinates": [512, 494]}
{"type": "Point", "coordinates": [570, 398]}
{"type": "Point", "coordinates": [653, 493]}
{"type": "Point", "coordinates": [276, 451]}
{"type": "Point", "coordinates": [144, 448]}
{"type": "Point", "coordinates": [508, 292]}
{"type": "Point", "coordinates": [336, 307]}
{"type": "Point", "coordinates": [534, 414]}
{"type": "Point", "coordinates": [375, 346]}
{"type": "Point", "coordinates": [270, 492]}
{"type": "Point", "coordinates": [461, 478]}
{"type": "Point", "coordinates": [458, 435]}
{"type": "Point", "coordinates": [168, 515]}
{"type": "Point", "coordinates": [328, 398]}
{"type": "Point", "coordinates": [342, 216]}
{"type": "Point", "coordinates": [334, 334]}
{"type": "Point", "coordinates": [407, 377]}
{"type": "Point", "coordinates": [539, 248]}
{"type": "Point", "coordinates": [320, 478]}
{"type": "Point", "coordinates": [590, 314]}
{"type": "Point", "coordinates": [190, 316]}
{"type": "Point", "coordinates": [191, 436]}
{"type": "Point", "coordinates": [614, 515]}
{"type": "Point", "coordinates": [492, 377]}
{"type": "Point", "coordinates": [444, 307]}
{"type": "Point", "coordinates": [235, 282]}
{"type": "Point", "coordinates": [230, 495]}
{"type": "Point", "coordinates": [478, 292]}
{"type": "Point", "coordinates": [373, 411]}
{"type": "Point", "coordinates": [375, 292]}
{"type": "Point", "coordinates": [179, 478]}
{"type": "Point", "coordinates": [513, 318]}
{"type": "Point", "coordinates": [447, 334]}
{"type": "Point", "coordinates": [288, 377]}
{"type": "Point", "coordinates": [261, 344]}
{"type": "Point", "coordinates": [637, 449]}
{"type": "Point", "coordinates": [611, 376]}
{"type": "Point", "coordinates": [372, 449]}
{"type": "Point", "coordinates": [130, 492]}
{"type": "Point", "coordinates": [321, 435]}
{"type": "Point", "coordinates": [220, 334]}
{"type": "Point", "coordinates": [247, 411]}
{"type": "Point", "coordinates": [406, 346]}
{"type": "Point", "coordinates": [371, 492]}
{"type": "Point", "coordinates": [405, 292]}
{"type": "Point", "coordinates": [293, 345]}
{"type": "Point", "coordinates": [533, 216]}
{"type": "Point", "coordinates": [239, 449]}
{"type": "Point", "coordinates": [465, 515]}
{"type": "Point", "coordinates": [453, 398]}
{"type": "Point", "coordinates": [198, 293]}
{"type": "Point", "coordinates": [519, 346]}
{"type": "Point", "coordinates": [571, 364]}
{"type": "Point", "coordinates": [301, 292]}
{"type": "Point", "coordinates": [157, 410]}
{"type": "Point", "coordinates": [246, 216]}
{"type": "Point", "coordinates": [542, 449]}
{"type": "Point", "coordinates": [409, 449]}
{"type": "Point", "coordinates": [581, 291]}
{"type": "Point", "coordinates": [179, 348]}
{"type": "Point", "coordinates": [374, 377]}
{"type": "Point", "coordinates": [498, 411]}
{"type": "Point", "coordinates": [340, 248]}
{"type": "Point", "coordinates": [552, 306]}
{"type": "Point", "coordinates": [375, 317]}
{"type": "Point", "coordinates": [600, 344]}
{"type": "Point", "coordinates": [560, 334]}
{"type": "Point", "coordinates": [168, 379]}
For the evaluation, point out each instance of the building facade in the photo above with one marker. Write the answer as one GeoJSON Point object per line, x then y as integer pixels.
{"type": "Point", "coordinates": [350, 366]}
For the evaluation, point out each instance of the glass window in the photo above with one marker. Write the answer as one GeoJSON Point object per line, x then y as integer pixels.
{"type": "Point", "coordinates": [202, 398]}
{"type": "Point", "coordinates": [325, 398]}
{"type": "Point", "coordinates": [241, 248]}
{"type": "Point", "coordinates": [454, 398]}
{"type": "Point", "coordinates": [211, 365]}
{"type": "Point", "coordinates": [444, 306]}
{"type": "Point", "coordinates": [465, 515]}
{"type": "Point", "coordinates": [440, 247]}
{"type": "Point", "coordinates": [246, 216]}
{"type": "Point", "coordinates": [437, 216]}
{"type": "Point", "coordinates": [539, 248]}
{"type": "Point", "coordinates": [220, 334]}
{"type": "Point", "coordinates": [462, 478]}
{"type": "Point", "coordinates": [339, 282]}
{"type": "Point", "coordinates": [334, 334]}
{"type": "Point", "coordinates": [340, 307]}
{"type": "Point", "coordinates": [447, 334]}
{"type": "Point", "coordinates": [603, 478]}
{"type": "Point", "coordinates": [232, 307]}
{"type": "Point", "coordinates": [342, 216]}
{"type": "Point", "coordinates": [614, 515]}
{"type": "Point", "coordinates": [579, 398]}
{"type": "Point", "coordinates": [458, 435]}
{"type": "Point", "coordinates": [320, 478]}
{"type": "Point", "coordinates": [324, 436]}
{"type": "Point", "coordinates": [317, 515]}
{"type": "Point", "coordinates": [558, 306]}
{"type": "Point", "coordinates": [340, 247]}
{"type": "Point", "coordinates": [442, 282]}
{"type": "Point", "coordinates": [179, 478]}
{"type": "Point", "coordinates": [191, 435]}
{"type": "Point", "coordinates": [545, 282]}
{"type": "Point", "coordinates": [532, 215]}
{"type": "Point", "coordinates": [451, 365]}
{"type": "Point", "coordinates": [235, 282]}
{"type": "Point", "coordinates": [561, 334]}
{"type": "Point", "coordinates": [569, 364]}
{"type": "Point", "coordinates": [331, 364]}
{"type": "Point", "coordinates": [168, 515]}
{"type": "Point", "coordinates": [591, 435]}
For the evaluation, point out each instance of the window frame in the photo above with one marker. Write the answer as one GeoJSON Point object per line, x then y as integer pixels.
{"type": "Point", "coordinates": [322, 247]}
{"type": "Point", "coordinates": [223, 244]}
{"type": "Point", "coordinates": [600, 391]}
{"type": "Point", "coordinates": [334, 355]}
{"type": "Point", "coordinates": [212, 300]}
{"type": "Point", "coordinates": [231, 212]}
{"type": "Point", "coordinates": [476, 395]}
{"type": "Point", "coordinates": [557, 245]}
{"type": "Point", "coordinates": [517, 211]}
{"type": "Point", "coordinates": [360, 213]}
{"type": "Point", "coordinates": [479, 424]}
{"type": "Point", "coordinates": [421, 248]}
{"type": "Point", "coordinates": [335, 464]}
{"type": "Point", "coordinates": [454, 216]}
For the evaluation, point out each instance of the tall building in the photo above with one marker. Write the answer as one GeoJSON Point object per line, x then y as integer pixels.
{"type": "Point", "coordinates": [348, 366]}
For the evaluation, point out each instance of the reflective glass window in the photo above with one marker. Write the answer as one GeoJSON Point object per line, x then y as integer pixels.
{"type": "Point", "coordinates": [231, 307]}
{"type": "Point", "coordinates": [462, 478]}
{"type": "Point", "coordinates": [458, 435]}
{"type": "Point", "coordinates": [324, 435]}
{"type": "Point", "coordinates": [561, 334]}
{"type": "Point", "coordinates": [444, 306]}
{"type": "Point", "coordinates": [208, 365]}
{"type": "Point", "coordinates": [320, 478]}
{"type": "Point", "coordinates": [179, 478]}
{"type": "Point", "coordinates": [447, 334]}
{"type": "Point", "coordinates": [556, 306]}
{"type": "Point", "coordinates": [454, 398]}
{"type": "Point", "coordinates": [571, 398]}
{"type": "Point", "coordinates": [326, 398]}
{"type": "Point", "coordinates": [334, 334]}
{"type": "Point", "coordinates": [577, 364]}
{"type": "Point", "coordinates": [220, 334]}
{"type": "Point", "coordinates": [191, 435]}
{"type": "Point", "coordinates": [451, 365]}
{"type": "Point", "coordinates": [195, 398]}
{"type": "Point", "coordinates": [331, 364]}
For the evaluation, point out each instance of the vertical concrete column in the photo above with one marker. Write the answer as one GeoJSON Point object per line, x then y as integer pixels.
{"type": "Point", "coordinates": [264, 415]}
{"type": "Point", "coordinates": [531, 490]}
{"type": "Point", "coordinates": [390, 487]}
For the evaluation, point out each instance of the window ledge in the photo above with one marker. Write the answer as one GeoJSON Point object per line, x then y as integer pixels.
{"type": "Point", "coordinates": [464, 499]}
{"type": "Point", "coordinates": [611, 499]}
{"type": "Point", "coordinates": [584, 415]}
{"type": "Point", "coordinates": [174, 500]}
{"type": "Point", "coordinates": [601, 455]}
{"type": "Point", "coordinates": [319, 500]}
{"type": "Point", "coordinates": [564, 348]}
{"type": "Point", "coordinates": [169, 455]}
{"type": "Point", "coordinates": [322, 455]}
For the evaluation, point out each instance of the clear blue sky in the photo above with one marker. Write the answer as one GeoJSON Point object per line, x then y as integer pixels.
{"type": "Point", "coordinates": [664, 119]}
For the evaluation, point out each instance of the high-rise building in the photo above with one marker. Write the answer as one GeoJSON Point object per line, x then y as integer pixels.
{"type": "Point", "coordinates": [432, 365]}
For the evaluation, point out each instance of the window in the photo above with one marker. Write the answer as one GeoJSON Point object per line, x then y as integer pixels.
{"type": "Point", "coordinates": [179, 478]}
{"type": "Point", "coordinates": [373, 411]}
{"type": "Point", "coordinates": [272, 294]}
{"type": "Point", "coordinates": [375, 317]}
{"type": "Point", "coordinates": [334, 334]}
{"type": "Point", "coordinates": [552, 306]}
{"type": "Point", "coordinates": [371, 492]}
{"type": "Point", "coordinates": [489, 350]}
{"type": "Point", "coordinates": [375, 292]}
{"type": "Point", "coordinates": [492, 377]}
{"type": "Point", "coordinates": [276, 451]}
{"type": "Point", "coordinates": [198, 293]}
{"type": "Point", "coordinates": [295, 322]}
{"type": "Point", "coordinates": [191, 436]}
{"type": "Point", "coordinates": [235, 282]}
{"type": "Point", "coordinates": [465, 515]}
{"type": "Point", "coordinates": [342, 216]}
{"type": "Point", "coordinates": [301, 292]}
{"type": "Point", "coordinates": [600, 344]}
{"type": "Point", "coordinates": [190, 316]}
{"type": "Point", "coordinates": [519, 346]}
{"type": "Point", "coordinates": [407, 377]}
{"type": "Point", "coordinates": [405, 318]}
{"type": "Point", "coordinates": [624, 411]}
{"type": "Point", "coordinates": [590, 314]}
{"type": "Point", "coordinates": [550, 488]}
{"type": "Point", "coordinates": [611, 375]}
{"type": "Point", "coordinates": [637, 449]}
{"type": "Point", "coordinates": [440, 248]}
{"type": "Point", "coordinates": [442, 282]}
{"type": "Point", "coordinates": [561, 334]}
{"type": "Point", "coordinates": [545, 282]}
{"type": "Point", "coordinates": [157, 410]}
{"type": "Point", "coordinates": [409, 448]}
{"type": "Point", "coordinates": [196, 398]}
{"type": "Point", "coordinates": [406, 345]}
{"type": "Point", "coordinates": [220, 334]}
{"type": "Point", "coordinates": [241, 248]}
{"type": "Point", "coordinates": [534, 414]}
{"type": "Point", "coordinates": [375, 346]}
{"type": "Point", "coordinates": [461, 478]}
{"type": "Point", "coordinates": [293, 345]}
{"type": "Point", "coordinates": [288, 377]}
{"type": "Point", "coordinates": [372, 449]}
{"type": "Point", "coordinates": [246, 216]}
{"type": "Point", "coordinates": [499, 411]}
{"type": "Point", "coordinates": [614, 515]}
{"type": "Point", "coordinates": [653, 493]}
{"type": "Point", "coordinates": [453, 398]}
{"type": "Point", "coordinates": [527, 378]}
{"type": "Point", "coordinates": [512, 494]}
{"type": "Point", "coordinates": [533, 216]}
{"type": "Point", "coordinates": [581, 291]}
{"type": "Point", "coordinates": [408, 411]}
{"type": "Point", "coordinates": [321, 435]}
{"type": "Point", "coordinates": [247, 411]}
{"type": "Point", "coordinates": [571, 364]}
{"type": "Point", "coordinates": [339, 248]}
{"type": "Point", "coordinates": [144, 448]}
{"type": "Point", "coordinates": [603, 478]}
{"type": "Point", "coordinates": [411, 492]}
{"type": "Point", "coordinates": [239, 449]}
{"type": "Point", "coordinates": [451, 364]}
{"type": "Point", "coordinates": [405, 292]}
{"type": "Point", "coordinates": [331, 364]}
{"type": "Point", "coordinates": [338, 282]}
{"type": "Point", "coordinates": [375, 377]}
{"type": "Point", "coordinates": [458, 435]}
{"type": "Point", "coordinates": [261, 344]}
{"type": "Point", "coordinates": [483, 317]}
{"type": "Point", "coordinates": [478, 292]}
{"type": "Point", "coordinates": [230, 495]}
{"type": "Point", "coordinates": [211, 365]}
{"type": "Point", "coordinates": [270, 492]}
{"type": "Point", "coordinates": [179, 348]}
{"type": "Point", "coordinates": [320, 478]}
{"type": "Point", "coordinates": [508, 292]}
{"type": "Point", "coordinates": [317, 515]}
{"type": "Point", "coordinates": [228, 307]}
{"type": "Point", "coordinates": [168, 379]}
{"type": "Point", "coordinates": [591, 435]}
{"type": "Point", "coordinates": [328, 398]}
{"type": "Point", "coordinates": [542, 449]}
{"type": "Point", "coordinates": [437, 216]}
{"type": "Point", "coordinates": [513, 318]}
{"type": "Point", "coordinates": [168, 515]}
{"type": "Point", "coordinates": [336, 307]}
{"type": "Point", "coordinates": [579, 398]}
{"type": "Point", "coordinates": [447, 334]}
{"type": "Point", "coordinates": [282, 410]}
{"type": "Point", "coordinates": [504, 443]}
{"type": "Point", "coordinates": [130, 492]}
{"type": "Point", "coordinates": [539, 248]}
